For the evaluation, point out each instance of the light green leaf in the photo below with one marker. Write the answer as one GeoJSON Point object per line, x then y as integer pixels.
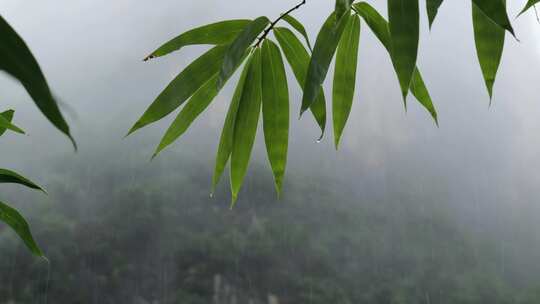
{"type": "Point", "coordinates": [238, 47]}
{"type": "Point", "coordinates": [13, 219]}
{"type": "Point", "coordinates": [404, 25]}
{"type": "Point", "coordinates": [432, 7]}
{"type": "Point", "coordinates": [323, 52]}
{"type": "Point", "coordinates": [297, 25]}
{"type": "Point", "coordinates": [379, 26]}
{"type": "Point", "coordinates": [17, 60]}
{"type": "Point", "coordinates": [275, 105]}
{"type": "Point", "coordinates": [10, 177]}
{"type": "Point", "coordinates": [226, 140]}
{"type": "Point", "coordinates": [529, 4]}
{"type": "Point", "coordinates": [5, 123]}
{"type": "Point", "coordinates": [345, 76]}
{"type": "Point", "coordinates": [496, 11]}
{"type": "Point", "coordinates": [298, 58]}
{"type": "Point", "coordinates": [489, 40]}
{"type": "Point", "coordinates": [245, 126]}
{"type": "Point", "coordinates": [183, 86]}
{"type": "Point", "coordinates": [223, 32]}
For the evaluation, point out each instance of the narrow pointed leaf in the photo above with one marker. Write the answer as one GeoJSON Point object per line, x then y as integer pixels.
{"type": "Point", "coordinates": [496, 11]}
{"type": "Point", "coordinates": [223, 32]}
{"type": "Point", "coordinates": [275, 105]}
{"type": "Point", "coordinates": [489, 41]}
{"type": "Point", "coordinates": [379, 27]}
{"type": "Point", "coordinates": [323, 52]}
{"type": "Point", "coordinates": [404, 19]}
{"type": "Point", "coordinates": [432, 7]}
{"type": "Point", "coordinates": [342, 6]}
{"type": "Point", "coordinates": [17, 60]}
{"type": "Point", "coordinates": [297, 25]}
{"type": "Point", "coordinates": [14, 219]}
{"type": "Point", "coordinates": [238, 47]}
{"type": "Point", "coordinates": [5, 123]}
{"type": "Point", "coordinates": [226, 139]}
{"type": "Point", "coordinates": [245, 126]}
{"type": "Point", "coordinates": [183, 86]}
{"type": "Point", "coordinates": [298, 58]}
{"type": "Point", "coordinates": [345, 76]}
{"type": "Point", "coordinates": [529, 4]}
{"type": "Point", "coordinates": [11, 177]}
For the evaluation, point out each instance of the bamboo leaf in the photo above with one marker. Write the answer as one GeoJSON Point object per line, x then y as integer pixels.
{"type": "Point", "coordinates": [183, 86]}
{"type": "Point", "coordinates": [14, 219]}
{"type": "Point", "coordinates": [298, 58]}
{"type": "Point", "coordinates": [529, 4]}
{"type": "Point", "coordinates": [245, 126]}
{"type": "Point", "coordinates": [342, 6]}
{"type": "Point", "coordinates": [323, 52]}
{"type": "Point", "coordinates": [223, 32]}
{"type": "Point", "coordinates": [275, 105]}
{"type": "Point", "coordinates": [226, 139]}
{"type": "Point", "coordinates": [489, 41]}
{"type": "Point", "coordinates": [297, 25]}
{"type": "Point", "coordinates": [345, 76]}
{"type": "Point", "coordinates": [496, 11]}
{"type": "Point", "coordinates": [238, 47]}
{"type": "Point", "coordinates": [11, 177]}
{"type": "Point", "coordinates": [432, 7]}
{"type": "Point", "coordinates": [5, 123]}
{"type": "Point", "coordinates": [419, 90]}
{"type": "Point", "coordinates": [403, 16]}
{"type": "Point", "coordinates": [17, 60]}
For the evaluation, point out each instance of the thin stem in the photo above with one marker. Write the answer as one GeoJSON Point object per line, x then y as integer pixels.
{"type": "Point", "coordinates": [273, 24]}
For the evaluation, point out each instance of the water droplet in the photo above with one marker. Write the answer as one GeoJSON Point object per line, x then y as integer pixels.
{"type": "Point", "coordinates": [211, 194]}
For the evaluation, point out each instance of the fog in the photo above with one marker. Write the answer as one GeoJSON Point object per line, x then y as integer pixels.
{"type": "Point", "coordinates": [474, 178]}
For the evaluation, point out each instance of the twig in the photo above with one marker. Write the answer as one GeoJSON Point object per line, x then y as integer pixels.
{"type": "Point", "coordinates": [273, 24]}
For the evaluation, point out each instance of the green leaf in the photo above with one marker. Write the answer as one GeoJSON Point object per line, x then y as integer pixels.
{"type": "Point", "coordinates": [5, 123]}
{"type": "Point", "coordinates": [342, 6]}
{"type": "Point", "coordinates": [298, 58]}
{"type": "Point", "coordinates": [432, 7]}
{"type": "Point", "coordinates": [223, 32]}
{"type": "Point", "coordinates": [299, 28]}
{"type": "Point", "coordinates": [489, 40]}
{"type": "Point", "coordinates": [496, 11]}
{"type": "Point", "coordinates": [379, 26]}
{"type": "Point", "coordinates": [529, 4]}
{"type": "Point", "coordinates": [245, 126]}
{"type": "Point", "coordinates": [275, 105]}
{"type": "Point", "coordinates": [183, 86]}
{"type": "Point", "coordinates": [404, 28]}
{"type": "Point", "coordinates": [345, 76]}
{"type": "Point", "coordinates": [238, 47]}
{"type": "Point", "coordinates": [17, 60]}
{"type": "Point", "coordinates": [13, 219]}
{"type": "Point", "coordinates": [226, 140]}
{"type": "Point", "coordinates": [10, 177]}
{"type": "Point", "coordinates": [323, 52]}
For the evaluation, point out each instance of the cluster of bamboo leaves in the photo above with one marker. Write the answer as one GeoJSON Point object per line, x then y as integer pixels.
{"type": "Point", "coordinates": [17, 60]}
{"type": "Point", "coordinates": [263, 89]}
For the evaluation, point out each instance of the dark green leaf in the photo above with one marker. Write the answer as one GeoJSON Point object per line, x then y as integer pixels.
{"type": "Point", "coordinates": [432, 7]}
{"type": "Point", "coordinates": [226, 140]}
{"type": "Point", "coordinates": [238, 47]}
{"type": "Point", "coordinates": [419, 90]}
{"type": "Point", "coordinates": [14, 220]}
{"type": "Point", "coordinates": [5, 123]}
{"type": "Point", "coordinates": [183, 86]}
{"type": "Point", "coordinates": [275, 104]}
{"type": "Point", "coordinates": [529, 4]}
{"type": "Point", "coordinates": [245, 126]}
{"type": "Point", "coordinates": [496, 11]}
{"type": "Point", "coordinates": [10, 177]}
{"type": "Point", "coordinates": [489, 40]}
{"type": "Point", "coordinates": [222, 32]}
{"type": "Point", "coordinates": [298, 59]}
{"type": "Point", "coordinates": [323, 52]}
{"type": "Point", "coordinates": [345, 76]}
{"type": "Point", "coordinates": [17, 60]}
{"type": "Point", "coordinates": [342, 6]}
{"type": "Point", "coordinates": [404, 28]}
{"type": "Point", "coordinates": [298, 27]}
